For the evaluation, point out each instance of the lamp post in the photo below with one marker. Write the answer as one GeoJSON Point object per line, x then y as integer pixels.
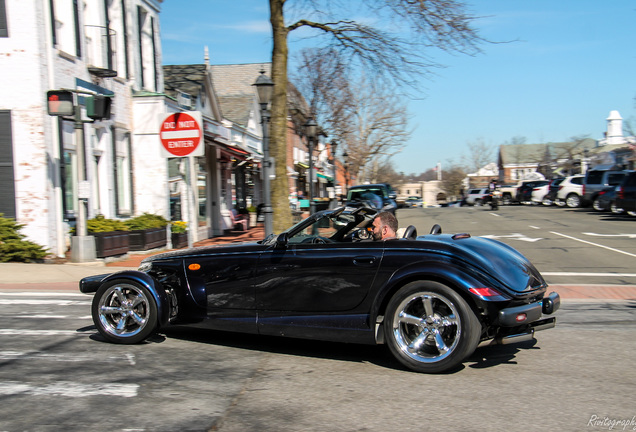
{"type": "Point", "coordinates": [345, 156]}
{"type": "Point", "coordinates": [334, 147]}
{"type": "Point", "coordinates": [310, 131]}
{"type": "Point", "coordinates": [265, 88]}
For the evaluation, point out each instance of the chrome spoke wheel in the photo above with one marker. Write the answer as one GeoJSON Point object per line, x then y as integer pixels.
{"type": "Point", "coordinates": [427, 327]}
{"type": "Point", "coordinates": [124, 311]}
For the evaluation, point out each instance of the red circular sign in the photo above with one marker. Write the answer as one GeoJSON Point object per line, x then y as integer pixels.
{"type": "Point", "coordinates": [180, 134]}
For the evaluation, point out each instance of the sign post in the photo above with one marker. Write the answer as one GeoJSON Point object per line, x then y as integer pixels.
{"type": "Point", "coordinates": [181, 135]}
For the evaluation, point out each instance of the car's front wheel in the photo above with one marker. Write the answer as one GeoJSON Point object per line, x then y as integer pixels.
{"type": "Point", "coordinates": [596, 205]}
{"type": "Point", "coordinates": [430, 328]}
{"type": "Point", "coordinates": [124, 312]}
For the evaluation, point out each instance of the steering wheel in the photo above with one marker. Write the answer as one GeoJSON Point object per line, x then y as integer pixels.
{"type": "Point", "coordinates": [321, 240]}
{"type": "Point", "coordinates": [436, 229]}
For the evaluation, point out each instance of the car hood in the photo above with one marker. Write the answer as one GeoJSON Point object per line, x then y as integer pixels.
{"type": "Point", "coordinates": [490, 257]}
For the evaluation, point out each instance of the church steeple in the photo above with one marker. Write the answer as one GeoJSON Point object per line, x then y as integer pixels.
{"type": "Point", "coordinates": [614, 134]}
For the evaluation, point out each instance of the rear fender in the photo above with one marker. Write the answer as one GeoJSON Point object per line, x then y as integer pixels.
{"type": "Point", "coordinates": [155, 288]}
{"type": "Point", "coordinates": [454, 277]}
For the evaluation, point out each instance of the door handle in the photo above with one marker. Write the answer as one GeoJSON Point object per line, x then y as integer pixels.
{"type": "Point", "coordinates": [364, 261]}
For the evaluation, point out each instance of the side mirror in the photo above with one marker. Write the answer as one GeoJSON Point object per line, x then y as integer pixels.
{"type": "Point", "coordinates": [282, 240]}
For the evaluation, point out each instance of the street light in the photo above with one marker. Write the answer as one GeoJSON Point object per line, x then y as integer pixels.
{"type": "Point", "coordinates": [310, 131]}
{"type": "Point", "coordinates": [345, 156]}
{"type": "Point", "coordinates": [265, 88]}
{"type": "Point", "coordinates": [334, 147]}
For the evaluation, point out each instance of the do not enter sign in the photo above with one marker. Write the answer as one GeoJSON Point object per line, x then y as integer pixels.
{"type": "Point", "coordinates": [181, 134]}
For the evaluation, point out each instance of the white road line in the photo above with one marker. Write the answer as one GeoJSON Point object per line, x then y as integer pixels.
{"type": "Point", "coordinates": [40, 294]}
{"type": "Point", "coordinates": [69, 389]}
{"type": "Point", "coordinates": [6, 302]}
{"type": "Point", "coordinates": [534, 227]}
{"type": "Point", "coordinates": [610, 235]}
{"type": "Point", "coordinates": [27, 332]}
{"type": "Point", "coordinates": [48, 317]}
{"type": "Point", "coordinates": [589, 274]}
{"type": "Point", "coordinates": [594, 244]}
{"type": "Point", "coordinates": [74, 358]}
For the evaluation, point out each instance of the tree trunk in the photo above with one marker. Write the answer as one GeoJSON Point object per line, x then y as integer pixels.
{"type": "Point", "coordinates": [282, 217]}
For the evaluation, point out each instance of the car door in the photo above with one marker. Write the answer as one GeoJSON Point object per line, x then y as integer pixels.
{"type": "Point", "coordinates": [316, 278]}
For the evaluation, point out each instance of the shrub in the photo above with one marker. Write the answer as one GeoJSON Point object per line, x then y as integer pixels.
{"type": "Point", "coordinates": [179, 227]}
{"type": "Point", "coordinates": [101, 224]}
{"type": "Point", "coordinates": [146, 221]}
{"type": "Point", "coordinates": [13, 247]}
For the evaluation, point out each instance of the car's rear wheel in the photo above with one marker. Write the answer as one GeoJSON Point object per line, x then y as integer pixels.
{"type": "Point", "coordinates": [430, 328]}
{"type": "Point", "coordinates": [477, 203]}
{"type": "Point", "coordinates": [124, 312]}
{"type": "Point", "coordinates": [573, 200]}
{"type": "Point", "coordinates": [615, 209]}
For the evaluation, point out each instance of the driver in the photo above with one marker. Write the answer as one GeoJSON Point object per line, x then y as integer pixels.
{"type": "Point", "coordinates": [385, 226]}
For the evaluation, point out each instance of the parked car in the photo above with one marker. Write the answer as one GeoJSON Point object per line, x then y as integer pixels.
{"type": "Point", "coordinates": [598, 179]}
{"type": "Point", "coordinates": [626, 194]}
{"type": "Point", "coordinates": [539, 192]}
{"type": "Point", "coordinates": [364, 194]}
{"type": "Point", "coordinates": [413, 202]}
{"type": "Point", "coordinates": [476, 197]}
{"type": "Point", "coordinates": [431, 299]}
{"type": "Point", "coordinates": [524, 193]}
{"type": "Point", "coordinates": [570, 191]}
{"type": "Point", "coordinates": [605, 199]}
{"type": "Point", "coordinates": [553, 188]}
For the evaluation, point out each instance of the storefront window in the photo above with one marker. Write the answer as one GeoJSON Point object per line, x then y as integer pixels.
{"type": "Point", "coordinates": [202, 188]}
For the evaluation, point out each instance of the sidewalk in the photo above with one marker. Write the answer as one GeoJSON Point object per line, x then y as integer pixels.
{"type": "Point", "coordinates": [54, 277]}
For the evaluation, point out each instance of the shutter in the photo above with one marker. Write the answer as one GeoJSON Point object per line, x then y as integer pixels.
{"type": "Point", "coordinates": [7, 184]}
{"type": "Point", "coordinates": [4, 28]}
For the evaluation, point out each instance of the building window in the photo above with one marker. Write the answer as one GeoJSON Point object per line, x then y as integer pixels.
{"type": "Point", "coordinates": [7, 183]}
{"type": "Point", "coordinates": [202, 188]}
{"type": "Point", "coordinates": [122, 167]}
{"type": "Point", "coordinates": [4, 28]}
{"type": "Point", "coordinates": [68, 169]}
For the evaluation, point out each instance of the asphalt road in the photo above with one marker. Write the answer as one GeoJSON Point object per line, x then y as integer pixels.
{"type": "Point", "coordinates": [568, 246]}
{"type": "Point", "coordinates": [56, 373]}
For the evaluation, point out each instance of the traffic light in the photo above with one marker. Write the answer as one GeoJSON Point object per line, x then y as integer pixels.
{"type": "Point", "coordinates": [60, 103]}
{"type": "Point", "coordinates": [98, 107]}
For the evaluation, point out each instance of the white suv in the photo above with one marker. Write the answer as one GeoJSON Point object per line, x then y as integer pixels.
{"type": "Point", "coordinates": [476, 196]}
{"type": "Point", "coordinates": [570, 191]}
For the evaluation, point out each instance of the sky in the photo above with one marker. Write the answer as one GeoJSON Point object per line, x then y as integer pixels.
{"type": "Point", "coordinates": [565, 65]}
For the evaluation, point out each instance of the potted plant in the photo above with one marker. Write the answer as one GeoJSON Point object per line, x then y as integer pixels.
{"type": "Point", "coordinates": [179, 233]}
{"type": "Point", "coordinates": [147, 231]}
{"type": "Point", "coordinates": [111, 236]}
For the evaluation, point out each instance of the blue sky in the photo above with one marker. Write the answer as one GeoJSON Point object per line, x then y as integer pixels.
{"type": "Point", "coordinates": [571, 63]}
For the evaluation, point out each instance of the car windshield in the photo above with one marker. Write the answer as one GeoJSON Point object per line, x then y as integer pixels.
{"type": "Point", "coordinates": [335, 225]}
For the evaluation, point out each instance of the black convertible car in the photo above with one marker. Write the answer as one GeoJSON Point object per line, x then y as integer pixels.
{"type": "Point", "coordinates": [432, 299]}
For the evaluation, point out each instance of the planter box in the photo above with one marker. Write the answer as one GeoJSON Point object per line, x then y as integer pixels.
{"type": "Point", "coordinates": [179, 240]}
{"type": "Point", "coordinates": [151, 238]}
{"type": "Point", "coordinates": [111, 243]}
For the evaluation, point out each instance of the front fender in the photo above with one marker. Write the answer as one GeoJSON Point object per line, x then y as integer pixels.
{"type": "Point", "coordinates": [93, 283]}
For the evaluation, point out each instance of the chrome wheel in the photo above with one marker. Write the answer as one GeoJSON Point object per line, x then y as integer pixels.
{"type": "Point", "coordinates": [615, 209]}
{"type": "Point", "coordinates": [430, 328]}
{"type": "Point", "coordinates": [427, 327]}
{"type": "Point", "coordinates": [124, 312]}
{"type": "Point", "coordinates": [597, 205]}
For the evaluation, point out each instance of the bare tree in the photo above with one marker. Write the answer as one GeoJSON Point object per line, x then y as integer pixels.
{"type": "Point", "coordinates": [399, 55]}
{"type": "Point", "coordinates": [452, 180]}
{"type": "Point", "coordinates": [479, 155]}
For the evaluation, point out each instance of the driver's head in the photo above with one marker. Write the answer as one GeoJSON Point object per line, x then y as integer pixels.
{"type": "Point", "coordinates": [385, 225]}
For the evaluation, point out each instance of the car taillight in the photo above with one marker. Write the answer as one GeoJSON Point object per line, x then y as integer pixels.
{"type": "Point", "coordinates": [601, 193]}
{"type": "Point", "coordinates": [560, 187]}
{"type": "Point", "coordinates": [619, 192]}
{"type": "Point", "coordinates": [487, 293]}
{"type": "Point", "coordinates": [583, 191]}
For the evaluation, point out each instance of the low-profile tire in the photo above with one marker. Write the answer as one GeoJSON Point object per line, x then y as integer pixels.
{"type": "Point", "coordinates": [124, 312]}
{"type": "Point", "coordinates": [573, 200]}
{"type": "Point", "coordinates": [430, 328]}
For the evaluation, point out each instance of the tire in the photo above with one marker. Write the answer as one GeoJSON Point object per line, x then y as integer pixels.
{"type": "Point", "coordinates": [477, 203]}
{"type": "Point", "coordinates": [596, 205]}
{"type": "Point", "coordinates": [547, 201]}
{"type": "Point", "coordinates": [430, 328]}
{"type": "Point", "coordinates": [506, 200]}
{"type": "Point", "coordinates": [124, 312]}
{"type": "Point", "coordinates": [615, 209]}
{"type": "Point", "coordinates": [573, 200]}
{"type": "Point", "coordinates": [631, 213]}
